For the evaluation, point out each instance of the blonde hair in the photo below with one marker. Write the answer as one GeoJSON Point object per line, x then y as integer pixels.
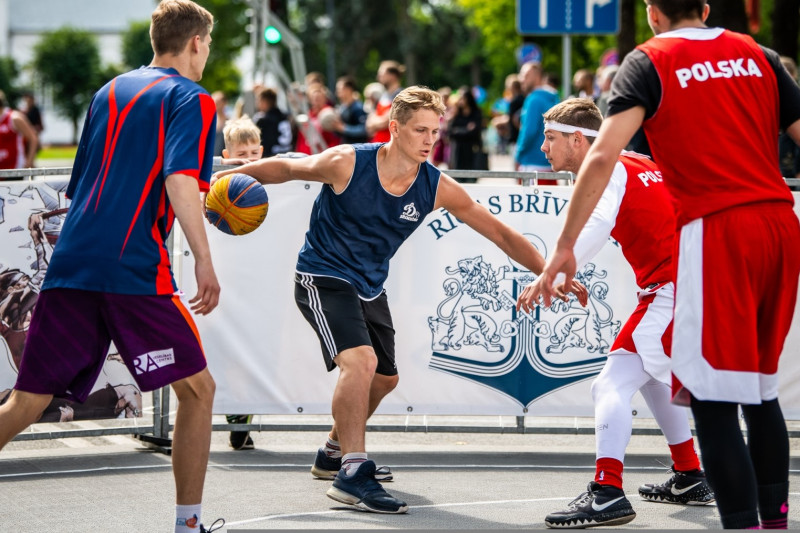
{"type": "Point", "coordinates": [412, 99]}
{"type": "Point", "coordinates": [174, 22]}
{"type": "Point", "coordinates": [241, 131]}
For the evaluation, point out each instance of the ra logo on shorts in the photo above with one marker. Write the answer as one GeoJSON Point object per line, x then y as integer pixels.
{"type": "Point", "coordinates": [477, 333]}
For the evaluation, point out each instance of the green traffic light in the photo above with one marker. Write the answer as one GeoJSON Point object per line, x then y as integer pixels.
{"type": "Point", "coordinates": [272, 35]}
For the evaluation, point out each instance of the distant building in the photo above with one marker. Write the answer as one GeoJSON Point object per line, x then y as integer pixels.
{"type": "Point", "coordinates": [23, 22]}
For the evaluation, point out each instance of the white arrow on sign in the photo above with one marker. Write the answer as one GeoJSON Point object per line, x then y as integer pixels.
{"type": "Point", "coordinates": [590, 5]}
{"type": "Point", "coordinates": [542, 13]}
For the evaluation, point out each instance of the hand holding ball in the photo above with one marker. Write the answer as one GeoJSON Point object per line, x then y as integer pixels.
{"type": "Point", "coordinates": [237, 204]}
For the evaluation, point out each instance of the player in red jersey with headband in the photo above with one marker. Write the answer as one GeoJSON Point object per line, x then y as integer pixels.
{"type": "Point", "coordinates": [712, 102]}
{"type": "Point", "coordinates": [635, 210]}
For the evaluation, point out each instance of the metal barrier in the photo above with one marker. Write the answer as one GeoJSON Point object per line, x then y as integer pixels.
{"type": "Point", "coordinates": [156, 434]}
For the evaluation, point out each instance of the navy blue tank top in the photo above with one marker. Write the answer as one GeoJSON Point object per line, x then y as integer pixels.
{"type": "Point", "coordinates": [353, 234]}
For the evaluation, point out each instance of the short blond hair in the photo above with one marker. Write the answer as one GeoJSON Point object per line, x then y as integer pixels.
{"type": "Point", "coordinates": [174, 22]}
{"type": "Point", "coordinates": [241, 131]}
{"type": "Point", "coordinates": [412, 99]}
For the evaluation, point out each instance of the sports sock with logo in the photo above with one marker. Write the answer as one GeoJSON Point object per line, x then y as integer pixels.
{"type": "Point", "coordinates": [187, 518]}
{"type": "Point", "coordinates": [351, 462]}
{"type": "Point", "coordinates": [608, 471]}
{"type": "Point", "coordinates": [684, 456]}
{"type": "Point", "coordinates": [773, 505]}
{"type": "Point", "coordinates": [332, 448]}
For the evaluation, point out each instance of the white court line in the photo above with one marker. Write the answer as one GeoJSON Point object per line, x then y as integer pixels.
{"type": "Point", "coordinates": [431, 506]}
{"type": "Point", "coordinates": [267, 466]}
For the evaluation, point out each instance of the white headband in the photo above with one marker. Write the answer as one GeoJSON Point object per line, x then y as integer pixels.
{"type": "Point", "coordinates": [566, 128]}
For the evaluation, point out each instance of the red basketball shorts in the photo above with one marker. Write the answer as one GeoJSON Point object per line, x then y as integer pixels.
{"type": "Point", "coordinates": [736, 287]}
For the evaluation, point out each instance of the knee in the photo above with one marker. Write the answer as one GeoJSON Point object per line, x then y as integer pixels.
{"type": "Point", "coordinates": [361, 362]}
{"type": "Point", "coordinates": [197, 388]}
{"type": "Point", "coordinates": [385, 384]}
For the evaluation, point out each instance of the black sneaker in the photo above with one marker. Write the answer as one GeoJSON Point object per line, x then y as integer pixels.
{"type": "Point", "coordinates": [240, 440]}
{"type": "Point", "coordinates": [362, 491]}
{"type": "Point", "coordinates": [214, 526]}
{"type": "Point", "coordinates": [600, 505]}
{"type": "Point", "coordinates": [686, 488]}
{"type": "Point", "coordinates": [325, 467]}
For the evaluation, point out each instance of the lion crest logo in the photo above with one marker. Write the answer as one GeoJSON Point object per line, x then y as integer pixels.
{"type": "Point", "coordinates": [477, 333]}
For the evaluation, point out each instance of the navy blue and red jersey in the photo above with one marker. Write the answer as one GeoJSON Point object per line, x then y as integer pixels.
{"type": "Point", "coordinates": [141, 127]}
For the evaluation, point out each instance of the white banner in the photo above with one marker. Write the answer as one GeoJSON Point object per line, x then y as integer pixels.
{"type": "Point", "coordinates": [31, 215]}
{"type": "Point", "coordinates": [462, 349]}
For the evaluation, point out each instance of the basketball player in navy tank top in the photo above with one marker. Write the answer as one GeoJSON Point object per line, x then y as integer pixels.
{"type": "Point", "coordinates": [738, 241]}
{"type": "Point", "coordinates": [375, 196]}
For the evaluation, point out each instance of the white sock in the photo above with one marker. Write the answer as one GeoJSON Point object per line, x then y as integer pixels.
{"type": "Point", "coordinates": [332, 448]}
{"type": "Point", "coordinates": [187, 518]}
{"type": "Point", "coordinates": [351, 462]}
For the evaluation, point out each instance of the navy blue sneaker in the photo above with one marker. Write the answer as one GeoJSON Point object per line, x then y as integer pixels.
{"type": "Point", "coordinates": [362, 491]}
{"type": "Point", "coordinates": [600, 505]}
{"type": "Point", "coordinates": [325, 467]}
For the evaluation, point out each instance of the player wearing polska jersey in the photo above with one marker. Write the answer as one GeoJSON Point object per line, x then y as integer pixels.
{"type": "Point", "coordinates": [714, 137]}
{"type": "Point", "coordinates": [637, 211]}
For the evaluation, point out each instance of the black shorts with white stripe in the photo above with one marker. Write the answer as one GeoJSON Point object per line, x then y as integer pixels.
{"type": "Point", "coordinates": [344, 320]}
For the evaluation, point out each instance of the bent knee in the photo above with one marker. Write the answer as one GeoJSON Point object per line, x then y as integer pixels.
{"type": "Point", "coordinates": [385, 383]}
{"type": "Point", "coordinates": [200, 386]}
{"type": "Point", "coordinates": [361, 360]}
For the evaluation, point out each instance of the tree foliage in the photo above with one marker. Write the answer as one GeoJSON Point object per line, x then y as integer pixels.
{"type": "Point", "coordinates": [136, 48]}
{"type": "Point", "coordinates": [8, 79]}
{"type": "Point", "coordinates": [228, 38]}
{"type": "Point", "coordinates": [68, 61]}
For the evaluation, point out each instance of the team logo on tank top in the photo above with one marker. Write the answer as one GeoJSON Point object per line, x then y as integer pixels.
{"type": "Point", "coordinates": [410, 213]}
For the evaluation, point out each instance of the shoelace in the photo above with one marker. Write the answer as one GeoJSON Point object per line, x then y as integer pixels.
{"type": "Point", "coordinates": [213, 527]}
{"type": "Point", "coordinates": [582, 499]}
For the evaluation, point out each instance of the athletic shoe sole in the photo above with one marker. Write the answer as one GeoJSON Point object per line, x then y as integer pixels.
{"type": "Point", "coordinates": [382, 474]}
{"type": "Point", "coordinates": [606, 519]}
{"type": "Point", "coordinates": [347, 498]}
{"type": "Point", "coordinates": [659, 498]}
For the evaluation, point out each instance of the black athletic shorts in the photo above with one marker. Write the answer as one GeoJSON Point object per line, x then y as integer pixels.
{"type": "Point", "coordinates": [343, 320]}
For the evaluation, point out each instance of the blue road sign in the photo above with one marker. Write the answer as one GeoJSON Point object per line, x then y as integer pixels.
{"type": "Point", "coordinates": [567, 16]}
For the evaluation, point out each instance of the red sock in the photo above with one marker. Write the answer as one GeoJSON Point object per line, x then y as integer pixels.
{"type": "Point", "coordinates": [684, 456]}
{"type": "Point", "coordinates": [609, 472]}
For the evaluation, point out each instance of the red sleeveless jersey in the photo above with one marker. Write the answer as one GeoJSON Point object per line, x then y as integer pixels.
{"type": "Point", "coordinates": [12, 151]}
{"type": "Point", "coordinates": [719, 98]}
{"type": "Point", "coordinates": [645, 224]}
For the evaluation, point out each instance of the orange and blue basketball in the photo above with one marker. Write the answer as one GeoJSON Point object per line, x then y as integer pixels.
{"type": "Point", "coordinates": [237, 204]}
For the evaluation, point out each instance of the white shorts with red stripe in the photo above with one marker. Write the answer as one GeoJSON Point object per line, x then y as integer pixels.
{"type": "Point", "coordinates": [736, 289]}
{"type": "Point", "coordinates": [648, 331]}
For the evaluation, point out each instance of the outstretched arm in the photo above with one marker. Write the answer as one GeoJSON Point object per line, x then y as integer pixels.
{"type": "Point", "coordinates": [184, 196]}
{"type": "Point", "coordinates": [455, 199]}
{"type": "Point", "coordinates": [333, 166]}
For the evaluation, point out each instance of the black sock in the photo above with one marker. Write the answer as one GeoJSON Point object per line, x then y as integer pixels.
{"type": "Point", "coordinates": [773, 505]}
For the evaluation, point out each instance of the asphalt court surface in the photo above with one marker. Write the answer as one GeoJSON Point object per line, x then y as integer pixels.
{"type": "Point", "coordinates": [454, 481]}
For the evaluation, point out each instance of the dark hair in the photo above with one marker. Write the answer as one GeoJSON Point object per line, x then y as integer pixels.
{"type": "Point", "coordinates": [349, 82]}
{"type": "Point", "coordinates": [268, 95]}
{"type": "Point", "coordinates": [466, 92]}
{"type": "Point", "coordinates": [677, 10]}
